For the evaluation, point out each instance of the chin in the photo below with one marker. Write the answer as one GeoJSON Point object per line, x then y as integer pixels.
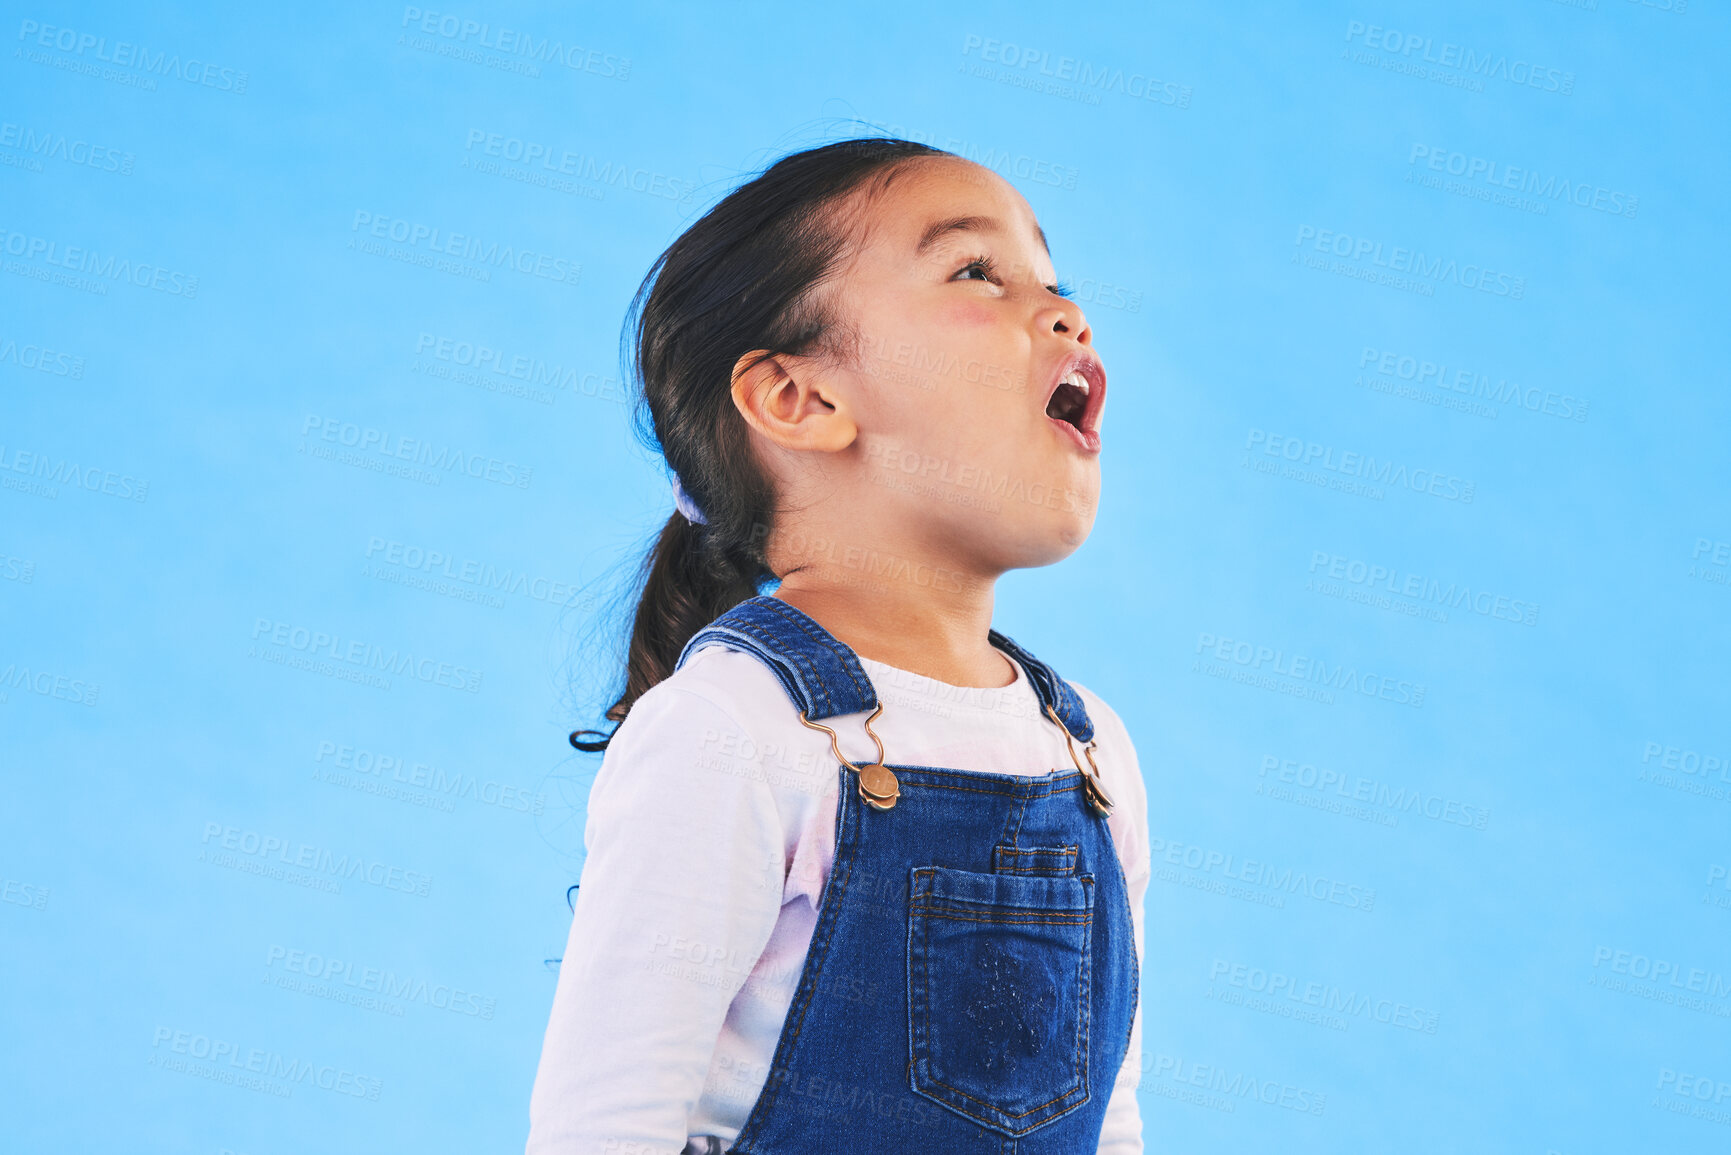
{"type": "Point", "coordinates": [1048, 541]}
{"type": "Point", "coordinates": [1072, 532]}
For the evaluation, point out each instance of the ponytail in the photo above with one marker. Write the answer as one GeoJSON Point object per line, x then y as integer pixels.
{"type": "Point", "coordinates": [688, 583]}
{"type": "Point", "coordinates": [744, 278]}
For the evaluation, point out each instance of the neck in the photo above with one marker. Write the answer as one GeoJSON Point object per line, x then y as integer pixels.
{"type": "Point", "coordinates": [940, 634]}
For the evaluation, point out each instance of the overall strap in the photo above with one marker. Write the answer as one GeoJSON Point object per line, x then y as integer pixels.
{"type": "Point", "coordinates": [823, 676]}
{"type": "Point", "coordinates": [820, 674]}
{"type": "Point", "coordinates": [1053, 690]}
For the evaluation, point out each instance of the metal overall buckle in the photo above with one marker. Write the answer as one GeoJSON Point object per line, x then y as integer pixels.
{"type": "Point", "coordinates": [877, 783]}
{"type": "Point", "coordinates": [1092, 786]}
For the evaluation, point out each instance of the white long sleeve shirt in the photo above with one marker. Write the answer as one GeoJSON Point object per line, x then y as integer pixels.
{"type": "Point", "coordinates": [710, 831]}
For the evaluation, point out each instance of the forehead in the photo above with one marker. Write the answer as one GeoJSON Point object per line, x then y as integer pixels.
{"type": "Point", "coordinates": [929, 203]}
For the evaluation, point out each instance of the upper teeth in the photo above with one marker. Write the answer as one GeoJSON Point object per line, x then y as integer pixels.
{"type": "Point", "coordinates": [1074, 377]}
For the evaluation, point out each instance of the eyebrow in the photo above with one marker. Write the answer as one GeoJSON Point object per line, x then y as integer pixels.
{"type": "Point", "coordinates": [937, 230]}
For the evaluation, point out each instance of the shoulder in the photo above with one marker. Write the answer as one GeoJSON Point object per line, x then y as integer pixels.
{"type": "Point", "coordinates": [718, 711]}
{"type": "Point", "coordinates": [710, 712]}
{"type": "Point", "coordinates": [1109, 728]}
{"type": "Point", "coordinates": [1115, 753]}
{"type": "Point", "coordinates": [728, 680]}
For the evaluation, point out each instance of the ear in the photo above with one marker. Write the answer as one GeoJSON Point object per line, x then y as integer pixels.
{"type": "Point", "coordinates": [790, 401]}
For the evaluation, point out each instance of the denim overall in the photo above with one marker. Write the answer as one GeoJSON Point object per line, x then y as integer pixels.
{"type": "Point", "coordinates": [972, 975]}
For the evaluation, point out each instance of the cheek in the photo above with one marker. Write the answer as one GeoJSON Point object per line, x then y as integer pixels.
{"type": "Point", "coordinates": [965, 314]}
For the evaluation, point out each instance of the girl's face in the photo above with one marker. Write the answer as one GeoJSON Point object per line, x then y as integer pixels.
{"type": "Point", "coordinates": [976, 389]}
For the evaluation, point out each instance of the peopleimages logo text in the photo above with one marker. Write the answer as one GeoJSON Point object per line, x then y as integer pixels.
{"type": "Point", "coordinates": [64, 471]}
{"type": "Point", "coordinates": [1304, 668]}
{"type": "Point", "coordinates": [467, 247]}
{"type": "Point", "coordinates": [1363, 466]}
{"type": "Point", "coordinates": [365, 655]}
{"type": "Point", "coordinates": [260, 1061]}
{"type": "Point", "coordinates": [1437, 375]}
{"type": "Point", "coordinates": [1330, 997]}
{"type": "Point", "coordinates": [1485, 65]}
{"type": "Point", "coordinates": [48, 684]}
{"type": "Point", "coordinates": [274, 850]}
{"type": "Point", "coordinates": [50, 145]}
{"type": "Point", "coordinates": [511, 42]}
{"type": "Point", "coordinates": [1412, 261]}
{"type": "Point", "coordinates": [1087, 75]}
{"type": "Point", "coordinates": [1357, 788]}
{"type": "Point", "coordinates": [133, 56]}
{"type": "Point", "coordinates": [91, 263]}
{"type": "Point", "coordinates": [41, 358]}
{"type": "Point", "coordinates": [446, 458]}
{"type": "Point", "coordinates": [382, 981]}
{"type": "Point", "coordinates": [1454, 595]}
{"type": "Point", "coordinates": [1500, 175]}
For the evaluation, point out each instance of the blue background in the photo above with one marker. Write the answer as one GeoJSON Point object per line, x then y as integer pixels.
{"type": "Point", "coordinates": [1545, 964]}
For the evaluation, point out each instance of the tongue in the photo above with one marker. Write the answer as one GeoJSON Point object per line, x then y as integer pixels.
{"type": "Point", "coordinates": [1066, 405]}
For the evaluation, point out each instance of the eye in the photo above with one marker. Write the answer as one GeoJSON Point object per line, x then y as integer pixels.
{"type": "Point", "coordinates": [1063, 289]}
{"type": "Point", "coordinates": [984, 266]}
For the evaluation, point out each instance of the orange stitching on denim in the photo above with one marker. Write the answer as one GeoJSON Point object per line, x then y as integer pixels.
{"type": "Point", "coordinates": [1006, 793]}
{"type": "Point", "coordinates": [1130, 930]}
{"type": "Point", "coordinates": [1083, 975]}
{"type": "Point", "coordinates": [1053, 920]}
{"type": "Point", "coordinates": [1084, 1007]}
{"type": "Point", "coordinates": [816, 965]}
{"type": "Point", "coordinates": [926, 958]}
{"type": "Point", "coordinates": [804, 622]}
{"type": "Point", "coordinates": [980, 906]}
{"type": "Point", "coordinates": [1046, 861]}
{"type": "Point", "coordinates": [1021, 813]}
{"type": "Point", "coordinates": [1007, 1114]}
{"type": "Point", "coordinates": [1064, 858]}
{"type": "Point", "coordinates": [930, 901]}
{"type": "Point", "coordinates": [790, 656]}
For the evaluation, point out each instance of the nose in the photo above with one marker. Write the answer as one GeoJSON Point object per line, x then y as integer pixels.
{"type": "Point", "coordinates": [1067, 319]}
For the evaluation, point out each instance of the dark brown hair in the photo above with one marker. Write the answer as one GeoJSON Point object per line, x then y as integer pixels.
{"type": "Point", "coordinates": [743, 278]}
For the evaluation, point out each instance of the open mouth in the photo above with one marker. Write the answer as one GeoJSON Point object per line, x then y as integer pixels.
{"type": "Point", "coordinates": [1076, 401]}
{"type": "Point", "coordinates": [1070, 399]}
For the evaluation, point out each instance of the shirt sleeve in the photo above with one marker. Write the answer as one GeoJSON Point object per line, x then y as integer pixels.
{"type": "Point", "coordinates": [1122, 1132]}
{"type": "Point", "coordinates": [678, 896]}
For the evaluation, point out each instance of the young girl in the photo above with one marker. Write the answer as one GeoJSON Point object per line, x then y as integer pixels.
{"type": "Point", "coordinates": [863, 874]}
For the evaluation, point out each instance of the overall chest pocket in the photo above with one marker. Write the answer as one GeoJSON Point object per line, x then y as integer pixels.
{"type": "Point", "coordinates": [998, 977]}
